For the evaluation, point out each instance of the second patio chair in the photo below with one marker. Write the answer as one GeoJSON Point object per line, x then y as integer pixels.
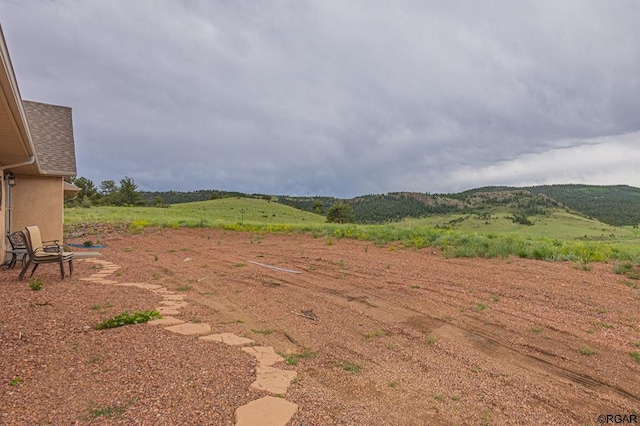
{"type": "Point", "coordinates": [39, 253]}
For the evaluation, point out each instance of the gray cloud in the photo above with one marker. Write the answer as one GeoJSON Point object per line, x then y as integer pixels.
{"type": "Point", "coordinates": [338, 97]}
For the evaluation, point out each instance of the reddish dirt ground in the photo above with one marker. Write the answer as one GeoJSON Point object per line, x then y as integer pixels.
{"type": "Point", "coordinates": [402, 337]}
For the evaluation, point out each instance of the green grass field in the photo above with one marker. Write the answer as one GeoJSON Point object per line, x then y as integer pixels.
{"type": "Point", "coordinates": [557, 236]}
{"type": "Point", "coordinates": [214, 213]}
{"type": "Point", "coordinates": [558, 224]}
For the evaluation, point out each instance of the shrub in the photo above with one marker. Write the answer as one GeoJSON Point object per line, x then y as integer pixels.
{"type": "Point", "coordinates": [127, 318]}
{"type": "Point", "coordinates": [341, 213]}
{"type": "Point", "coordinates": [36, 284]}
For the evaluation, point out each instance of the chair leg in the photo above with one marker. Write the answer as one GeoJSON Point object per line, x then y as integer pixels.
{"type": "Point", "coordinates": [24, 269]}
{"type": "Point", "coordinates": [70, 268]}
{"type": "Point", "coordinates": [61, 269]}
{"type": "Point", "coordinates": [35, 266]}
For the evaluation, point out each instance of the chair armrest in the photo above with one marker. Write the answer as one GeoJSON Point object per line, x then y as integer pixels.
{"type": "Point", "coordinates": [52, 249]}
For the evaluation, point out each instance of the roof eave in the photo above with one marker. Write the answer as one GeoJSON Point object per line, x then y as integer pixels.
{"type": "Point", "coordinates": [11, 91]}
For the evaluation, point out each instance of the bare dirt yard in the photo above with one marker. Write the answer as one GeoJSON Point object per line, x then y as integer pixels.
{"type": "Point", "coordinates": [402, 336]}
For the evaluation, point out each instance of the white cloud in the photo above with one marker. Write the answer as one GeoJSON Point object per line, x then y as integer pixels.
{"type": "Point", "coordinates": [603, 160]}
{"type": "Point", "coordinates": [340, 97]}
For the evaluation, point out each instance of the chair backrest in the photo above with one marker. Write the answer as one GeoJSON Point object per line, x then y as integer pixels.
{"type": "Point", "coordinates": [34, 239]}
{"type": "Point", "coordinates": [16, 239]}
{"type": "Point", "coordinates": [27, 244]}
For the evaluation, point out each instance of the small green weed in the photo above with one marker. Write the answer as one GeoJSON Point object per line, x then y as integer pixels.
{"type": "Point", "coordinates": [377, 333]}
{"type": "Point", "coordinates": [351, 367]}
{"type": "Point", "coordinates": [480, 307]}
{"type": "Point", "coordinates": [15, 381]}
{"type": "Point", "coordinates": [430, 340]}
{"type": "Point", "coordinates": [88, 243]}
{"type": "Point", "coordinates": [537, 330]}
{"type": "Point", "coordinates": [635, 356]}
{"type": "Point", "coordinates": [628, 283]}
{"type": "Point", "coordinates": [262, 332]}
{"type": "Point", "coordinates": [99, 306]}
{"type": "Point", "coordinates": [587, 351]}
{"type": "Point", "coordinates": [393, 384]}
{"type": "Point", "coordinates": [184, 288]}
{"type": "Point", "coordinates": [605, 325]}
{"type": "Point", "coordinates": [107, 412]}
{"type": "Point", "coordinates": [626, 269]}
{"type": "Point", "coordinates": [495, 298]}
{"type": "Point", "coordinates": [36, 284]}
{"type": "Point", "coordinates": [126, 318]}
{"type": "Point", "coordinates": [600, 310]}
{"type": "Point", "coordinates": [292, 359]}
{"type": "Point", "coordinates": [622, 268]}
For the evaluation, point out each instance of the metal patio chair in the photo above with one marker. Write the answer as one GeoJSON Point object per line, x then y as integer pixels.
{"type": "Point", "coordinates": [40, 253]}
{"type": "Point", "coordinates": [18, 250]}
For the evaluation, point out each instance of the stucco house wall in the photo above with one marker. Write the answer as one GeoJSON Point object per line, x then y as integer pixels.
{"type": "Point", "coordinates": [38, 200]}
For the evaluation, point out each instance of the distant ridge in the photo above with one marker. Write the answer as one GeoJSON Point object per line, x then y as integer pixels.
{"type": "Point", "coordinates": [617, 205]}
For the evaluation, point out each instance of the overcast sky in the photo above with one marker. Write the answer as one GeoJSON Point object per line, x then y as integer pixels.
{"type": "Point", "coordinates": [338, 97]}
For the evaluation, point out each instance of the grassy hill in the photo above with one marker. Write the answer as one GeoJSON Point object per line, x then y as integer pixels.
{"type": "Point", "coordinates": [197, 214]}
{"type": "Point", "coordinates": [614, 205]}
{"type": "Point", "coordinates": [555, 235]}
{"type": "Point", "coordinates": [617, 205]}
{"type": "Point", "coordinates": [556, 224]}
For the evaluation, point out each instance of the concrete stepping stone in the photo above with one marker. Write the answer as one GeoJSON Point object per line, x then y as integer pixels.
{"type": "Point", "coordinates": [226, 338]}
{"type": "Point", "coordinates": [175, 304]}
{"type": "Point", "coordinates": [166, 321]}
{"type": "Point", "coordinates": [99, 280]}
{"type": "Point", "coordinates": [141, 285]}
{"type": "Point", "coordinates": [164, 310]}
{"type": "Point", "coordinates": [189, 329]}
{"type": "Point", "coordinates": [175, 297]}
{"type": "Point", "coordinates": [265, 355]}
{"type": "Point", "coordinates": [103, 281]}
{"type": "Point", "coordinates": [267, 411]}
{"type": "Point", "coordinates": [273, 380]}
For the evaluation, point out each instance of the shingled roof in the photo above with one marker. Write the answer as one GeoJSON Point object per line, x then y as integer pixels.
{"type": "Point", "coordinates": [51, 129]}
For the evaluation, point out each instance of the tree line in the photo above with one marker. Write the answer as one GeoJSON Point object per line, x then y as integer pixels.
{"type": "Point", "coordinates": [616, 205]}
{"type": "Point", "coordinates": [108, 193]}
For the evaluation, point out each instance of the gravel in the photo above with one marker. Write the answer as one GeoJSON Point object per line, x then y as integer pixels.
{"type": "Point", "coordinates": [403, 336]}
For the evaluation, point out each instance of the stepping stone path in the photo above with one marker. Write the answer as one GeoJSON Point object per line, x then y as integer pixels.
{"type": "Point", "coordinates": [266, 411]}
